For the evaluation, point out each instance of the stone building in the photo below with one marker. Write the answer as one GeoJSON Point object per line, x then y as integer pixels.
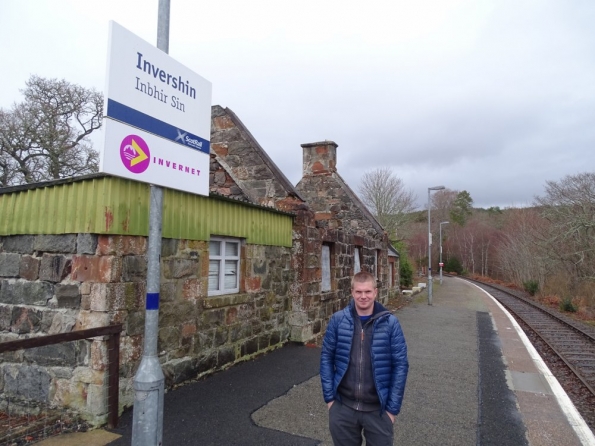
{"type": "Point", "coordinates": [331, 224]}
{"type": "Point", "coordinates": [352, 239]}
{"type": "Point", "coordinates": [258, 263]}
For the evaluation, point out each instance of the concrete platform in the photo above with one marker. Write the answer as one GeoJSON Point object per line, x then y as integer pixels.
{"type": "Point", "coordinates": [474, 380]}
{"type": "Point", "coordinates": [548, 414]}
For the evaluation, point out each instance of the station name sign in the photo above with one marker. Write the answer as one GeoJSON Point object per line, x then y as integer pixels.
{"type": "Point", "coordinates": [157, 116]}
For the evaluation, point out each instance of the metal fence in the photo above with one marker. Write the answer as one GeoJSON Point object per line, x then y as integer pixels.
{"type": "Point", "coordinates": [22, 422]}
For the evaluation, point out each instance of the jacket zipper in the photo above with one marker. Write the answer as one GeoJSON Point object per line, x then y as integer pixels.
{"type": "Point", "coordinates": [360, 369]}
{"type": "Point", "coordinates": [361, 365]}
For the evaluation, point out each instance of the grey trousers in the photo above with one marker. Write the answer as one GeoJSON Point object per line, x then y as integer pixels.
{"type": "Point", "coordinates": [346, 425]}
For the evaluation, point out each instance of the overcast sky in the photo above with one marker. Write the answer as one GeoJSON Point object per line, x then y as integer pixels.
{"type": "Point", "coordinates": [493, 97]}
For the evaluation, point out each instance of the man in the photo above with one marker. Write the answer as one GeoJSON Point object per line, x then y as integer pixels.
{"type": "Point", "coordinates": [363, 368]}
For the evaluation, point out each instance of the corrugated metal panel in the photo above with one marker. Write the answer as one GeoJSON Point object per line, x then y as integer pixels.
{"type": "Point", "coordinates": [197, 218]}
{"type": "Point", "coordinates": [110, 205]}
{"type": "Point", "coordinates": [102, 206]}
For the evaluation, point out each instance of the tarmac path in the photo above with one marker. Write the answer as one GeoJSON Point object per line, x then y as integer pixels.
{"type": "Point", "coordinates": [441, 398]}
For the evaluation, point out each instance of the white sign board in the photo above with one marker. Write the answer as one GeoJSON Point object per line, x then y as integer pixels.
{"type": "Point", "coordinates": [143, 155]}
{"type": "Point", "coordinates": [158, 115]}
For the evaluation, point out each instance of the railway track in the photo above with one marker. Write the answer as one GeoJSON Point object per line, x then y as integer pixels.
{"type": "Point", "coordinates": [567, 346]}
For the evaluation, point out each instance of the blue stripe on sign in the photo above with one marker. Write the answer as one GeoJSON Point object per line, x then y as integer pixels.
{"type": "Point", "coordinates": [149, 124]}
{"type": "Point", "coordinates": [152, 301]}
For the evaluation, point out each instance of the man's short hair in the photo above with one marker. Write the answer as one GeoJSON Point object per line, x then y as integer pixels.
{"type": "Point", "coordinates": [363, 276]}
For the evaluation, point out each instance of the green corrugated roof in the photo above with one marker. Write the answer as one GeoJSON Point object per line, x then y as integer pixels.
{"type": "Point", "coordinates": [103, 204]}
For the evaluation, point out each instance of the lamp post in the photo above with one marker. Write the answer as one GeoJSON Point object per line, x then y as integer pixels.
{"type": "Point", "coordinates": [430, 189]}
{"type": "Point", "coordinates": [440, 264]}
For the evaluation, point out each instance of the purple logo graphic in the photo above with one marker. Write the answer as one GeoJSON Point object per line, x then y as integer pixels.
{"type": "Point", "coordinates": [135, 154]}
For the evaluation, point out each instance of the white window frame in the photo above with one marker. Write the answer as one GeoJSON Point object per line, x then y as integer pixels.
{"type": "Point", "coordinates": [325, 265]}
{"type": "Point", "coordinates": [222, 258]}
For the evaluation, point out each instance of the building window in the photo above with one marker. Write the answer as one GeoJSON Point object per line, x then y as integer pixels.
{"type": "Point", "coordinates": [357, 260]}
{"type": "Point", "coordinates": [326, 268]}
{"type": "Point", "coordinates": [376, 264]}
{"type": "Point", "coordinates": [391, 280]}
{"type": "Point", "coordinates": [224, 266]}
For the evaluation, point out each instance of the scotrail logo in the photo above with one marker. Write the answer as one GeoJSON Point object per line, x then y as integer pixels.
{"type": "Point", "coordinates": [186, 140]}
{"type": "Point", "coordinates": [180, 136]}
{"type": "Point", "coordinates": [135, 154]}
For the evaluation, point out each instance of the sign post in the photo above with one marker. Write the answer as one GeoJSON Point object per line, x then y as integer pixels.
{"type": "Point", "coordinates": [157, 130]}
{"type": "Point", "coordinates": [158, 116]}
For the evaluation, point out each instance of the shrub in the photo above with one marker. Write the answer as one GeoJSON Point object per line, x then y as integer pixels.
{"type": "Point", "coordinates": [453, 265]}
{"type": "Point", "coordinates": [567, 305]}
{"type": "Point", "coordinates": [531, 287]}
{"type": "Point", "coordinates": [406, 273]}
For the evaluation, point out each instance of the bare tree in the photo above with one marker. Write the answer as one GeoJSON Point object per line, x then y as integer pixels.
{"type": "Point", "coordinates": [45, 137]}
{"type": "Point", "coordinates": [569, 207]}
{"type": "Point", "coordinates": [387, 198]}
{"type": "Point", "coordinates": [417, 247]}
{"type": "Point", "coordinates": [479, 236]}
{"type": "Point", "coordinates": [519, 256]}
{"type": "Point", "coordinates": [442, 203]}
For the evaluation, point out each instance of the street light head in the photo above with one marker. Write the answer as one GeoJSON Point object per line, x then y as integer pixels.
{"type": "Point", "coordinates": [444, 222]}
{"type": "Point", "coordinates": [436, 188]}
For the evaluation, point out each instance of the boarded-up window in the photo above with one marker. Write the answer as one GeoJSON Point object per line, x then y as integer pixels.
{"type": "Point", "coordinates": [357, 263]}
{"type": "Point", "coordinates": [326, 268]}
{"type": "Point", "coordinates": [224, 266]}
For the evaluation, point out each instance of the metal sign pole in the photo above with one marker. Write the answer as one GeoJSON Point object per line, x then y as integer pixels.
{"type": "Point", "coordinates": [429, 249]}
{"type": "Point", "coordinates": [149, 381]}
{"type": "Point", "coordinates": [430, 189]}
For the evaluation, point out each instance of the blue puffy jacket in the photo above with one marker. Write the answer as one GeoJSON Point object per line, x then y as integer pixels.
{"type": "Point", "coordinates": [389, 357]}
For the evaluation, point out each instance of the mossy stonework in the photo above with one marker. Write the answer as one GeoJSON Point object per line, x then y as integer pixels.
{"type": "Point", "coordinates": [197, 335]}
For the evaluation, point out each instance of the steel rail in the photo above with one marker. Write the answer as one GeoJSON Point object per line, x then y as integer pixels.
{"type": "Point", "coordinates": [572, 328]}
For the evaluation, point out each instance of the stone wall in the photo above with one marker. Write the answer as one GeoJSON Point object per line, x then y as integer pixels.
{"type": "Point", "coordinates": [343, 218]}
{"type": "Point", "coordinates": [56, 283]}
{"type": "Point", "coordinates": [38, 297]}
{"type": "Point", "coordinates": [246, 162]}
{"type": "Point", "coordinates": [312, 308]}
{"type": "Point", "coordinates": [222, 183]}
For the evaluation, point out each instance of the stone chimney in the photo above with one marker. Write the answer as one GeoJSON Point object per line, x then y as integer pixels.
{"type": "Point", "coordinates": [320, 158]}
